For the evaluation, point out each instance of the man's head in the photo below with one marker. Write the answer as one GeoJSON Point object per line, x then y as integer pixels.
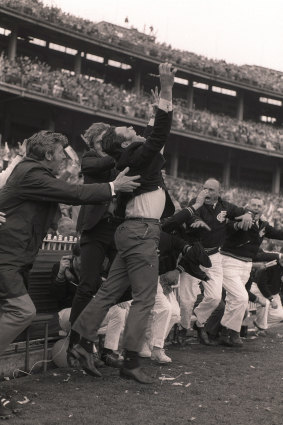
{"type": "Point", "coordinates": [256, 207]}
{"type": "Point", "coordinates": [115, 139]}
{"type": "Point", "coordinates": [48, 148]}
{"type": "Point", "coordinates": [66, 227]}
{"type": "Point", "coordinates": [212, 186]}
{"type": "Point", "coordinates": [93, 135]}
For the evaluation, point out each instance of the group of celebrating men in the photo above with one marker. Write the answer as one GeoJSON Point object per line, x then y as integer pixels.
{"type": "Point", "coordinates": [128, 216]}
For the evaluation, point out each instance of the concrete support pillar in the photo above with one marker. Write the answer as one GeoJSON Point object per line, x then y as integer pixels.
{"type": "Point", "coordinates": [137, 83]}
{"type": "Point", "coordinates": [190, 95]}
{"type": "Point", "coordinates": [174, 163]}
{"type": "Point", "coordinates": [240, 105]}
{"type": "Point", "coordinates": [12, 47]}
{"type": "Point", "coordinates": [276, 180]}
{"type": "Point", "coordinates": [226, 172]}
{"type": "Point", "coordinates": [78, 63]}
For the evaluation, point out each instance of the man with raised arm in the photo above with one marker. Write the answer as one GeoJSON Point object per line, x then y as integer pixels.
{"type": "Point", "coordinates": [137, 238]}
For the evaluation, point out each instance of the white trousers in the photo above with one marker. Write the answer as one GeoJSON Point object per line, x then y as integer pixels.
{"type": "Point", "coordinates": [236, 273]}
{"type": "Point", "coordinates": [113, 325]}
{"type": "Point", "coordinates": [189, 290]}
{"type": "Point", "coordinates": [267, 316]}
{"type": "Point", "coordinates": [164, 314]}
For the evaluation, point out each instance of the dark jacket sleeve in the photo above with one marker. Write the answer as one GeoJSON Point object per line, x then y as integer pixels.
{"type": "Point", "coordinates": [58, 288]}
{"type": "Point", "coordinates": [265, 256]}
{"type": "Point", "coordinates": [272, 233]}
{"type": "Point", "coordinates": [155, 141]}
{"type": "Point", "coordinates": [94, 166]}
{"type": "Point", "coordinates": [147, 131]}
{"type": "Point", "coordinates": [184, 216]}
{"type": "Point", "coordinates": [40, 185]}
{"type": "Point", "coordinates": [233, 211]}
{"type": "Point", "coordinates": [168, 243]}
{"type": "Point", "coordinates": [262, 278]}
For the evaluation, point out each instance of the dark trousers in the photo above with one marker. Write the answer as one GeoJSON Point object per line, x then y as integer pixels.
{"type": "Point", "coordinates": [136, 264]}
{"type": "Point", "coordinates": [96, 244]}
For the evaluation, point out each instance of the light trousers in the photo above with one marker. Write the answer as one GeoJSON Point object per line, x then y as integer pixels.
{"type": "Point", "coordinates": [236, 273]}
{"type": "Point", "coordinates": [267, 316]}
{"type": "Point", "coordinates": [164, 314]}
{"type": "Point", "coordinates": [189, 290]}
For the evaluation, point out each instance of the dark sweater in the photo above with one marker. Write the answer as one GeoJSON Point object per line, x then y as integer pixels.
{"type": "Point", "coordinates": [145, 159]}
{"type": "Point", "coordinates": [269, 281]}
{"type": "Point", "coordinates": [215, 217]}
{"type": "Point", "coordinates": [244, 245]}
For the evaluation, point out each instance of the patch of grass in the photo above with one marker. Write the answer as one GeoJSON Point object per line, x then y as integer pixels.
{"type": "Point", "coordinates": [215, 386]}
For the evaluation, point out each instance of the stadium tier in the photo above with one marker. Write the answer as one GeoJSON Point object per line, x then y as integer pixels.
{"type": "Point", "coordinates": [61, 72]}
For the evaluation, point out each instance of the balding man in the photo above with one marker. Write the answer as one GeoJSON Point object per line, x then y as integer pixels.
{"type": "Point", "coordinates": [238, 252]}
{"type": "Point", "coordinates": [214, 211]}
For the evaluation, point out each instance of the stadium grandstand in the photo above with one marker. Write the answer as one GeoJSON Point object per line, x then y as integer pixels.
{"type": "Point", "coordinates": [61, 72]}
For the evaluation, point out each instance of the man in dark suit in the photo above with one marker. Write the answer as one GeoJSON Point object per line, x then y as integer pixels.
{"type": "Point", "coordinates": [137, 239]}
{"type": "Point", "coordinates": [30, 200]}
{"type": "Point", "coordinates": [96, 222]}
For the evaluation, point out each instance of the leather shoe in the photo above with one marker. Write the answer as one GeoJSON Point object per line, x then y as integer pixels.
{"type": "Point", "coordinates": [85, 360]}
{"type": "Point", "coordinates": [113, 360]}
{"type": "Point", "coordinates": [97, 361]}
{"type": "Point", "coordinates": [137, 375]}
{"type": "Point", "coordinates": [203, 337]}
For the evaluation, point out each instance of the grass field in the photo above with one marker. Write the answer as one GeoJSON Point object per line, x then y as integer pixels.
{"type": "Point", "coordinates": [211, 386]}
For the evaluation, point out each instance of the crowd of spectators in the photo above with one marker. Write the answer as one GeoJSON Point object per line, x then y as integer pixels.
{"type": "Point", "coordinates": [38, 76]}
{"type": "Point", "coordinates": [182, 190]}
{"type": "Point", "coordinates": [146, 44]}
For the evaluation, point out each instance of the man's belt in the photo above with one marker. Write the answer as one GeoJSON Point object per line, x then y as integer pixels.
{"type": "Point", "coordinates": [145, 219]}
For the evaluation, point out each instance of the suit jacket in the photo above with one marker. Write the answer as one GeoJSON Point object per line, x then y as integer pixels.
{"type": "Point", "coordinates": [95, 170]}
{"type": "Point", "coordinates": [30, 200]}
{"type": "Point", "coordinates": [146, 160]}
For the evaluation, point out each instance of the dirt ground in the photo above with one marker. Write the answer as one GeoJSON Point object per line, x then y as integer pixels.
{"type": "Point", "coordinates": [207, 386]}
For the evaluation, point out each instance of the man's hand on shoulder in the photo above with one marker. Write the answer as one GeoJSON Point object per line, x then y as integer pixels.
{"type": "Point", "coordinates": [125, 183]}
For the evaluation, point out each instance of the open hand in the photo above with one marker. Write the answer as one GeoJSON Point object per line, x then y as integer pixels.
{"type": "Point", "coordinates": [125, 183]}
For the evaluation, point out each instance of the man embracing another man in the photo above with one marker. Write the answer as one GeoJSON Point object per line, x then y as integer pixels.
{"type": "Point", "coordinates": [137, 238]}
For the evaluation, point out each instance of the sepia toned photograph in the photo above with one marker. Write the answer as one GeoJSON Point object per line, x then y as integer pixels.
{"type": "Point", "coordinates": [141, 212]}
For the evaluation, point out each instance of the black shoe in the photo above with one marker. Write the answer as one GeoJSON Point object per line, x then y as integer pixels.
{"type": "Point", "coordinates": [97, 361]}
{"type": "Point", "coordinates": [137, 375]}
{"type": "Point", "coordinates": [236, 339]}
{"type": "Point", "coordinates": [5, 413]}
{"type": "Point", "coordinates": [202, 336]}
{"type": "Point", "coordinates": [85, 360]}
{"type": "Point", "coordinates": [112, 360]}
